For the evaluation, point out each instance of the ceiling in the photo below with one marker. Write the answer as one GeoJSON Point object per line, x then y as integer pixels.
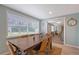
{"type": "Point", "coordinates": [59, 20]}
{"type": "Point", "coordinates": [41, 11]}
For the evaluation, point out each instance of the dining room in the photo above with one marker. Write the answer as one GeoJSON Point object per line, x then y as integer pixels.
{"type": "Point", "coordinates": [39, 29]}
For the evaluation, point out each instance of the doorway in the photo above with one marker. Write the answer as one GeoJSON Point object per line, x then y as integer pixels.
{"type": "Point", "coordinates": [58, 31]}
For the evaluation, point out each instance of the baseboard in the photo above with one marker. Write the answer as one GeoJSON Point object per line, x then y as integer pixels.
{"type": "Point", "coordinates": [72, 46]}
{"type": "Point", "coordinates": [5, 53]}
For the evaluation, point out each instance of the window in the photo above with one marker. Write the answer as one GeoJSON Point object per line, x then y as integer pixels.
{"type": "Point", "coordinates": [33, 27]}
{"type": "Point", "coordinates": [20, 24]}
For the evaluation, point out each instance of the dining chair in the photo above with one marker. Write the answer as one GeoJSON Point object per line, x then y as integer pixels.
{"type": "Point", "coordinates": [42, 49]}
{"type": "Point", "coordinates": [14, 50]}
{"type": "Point", "coordinates": [49, 38]}
{"type": "Point", "coordinates": [53, 50]}
{"type": "Point", "coordinates": [50, 42]}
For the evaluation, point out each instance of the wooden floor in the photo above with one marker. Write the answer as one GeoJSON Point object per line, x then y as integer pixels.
{"type": "Point", "coordinates": [57, 39]}
{"type": "Point", "coordinates": [66, 50]}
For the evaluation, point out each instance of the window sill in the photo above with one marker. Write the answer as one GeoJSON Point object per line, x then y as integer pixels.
{"type": "Point", "coordinates": [13, 35]}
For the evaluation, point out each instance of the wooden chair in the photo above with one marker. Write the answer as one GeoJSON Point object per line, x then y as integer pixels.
{"type": "Point", "coordinates": [43, 47]}
{"type": "Point", "coordinates": [52, 50]}
{"type": "Point", "coordinates": [14, 50]}
{"type": "Point", "coordinates": [49, 44]}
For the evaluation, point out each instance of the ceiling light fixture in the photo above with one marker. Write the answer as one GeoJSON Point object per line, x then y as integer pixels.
{"type": "Point", "coordinates": [50, 12]}
{"type": "Point", "coordinates": [58, 22]}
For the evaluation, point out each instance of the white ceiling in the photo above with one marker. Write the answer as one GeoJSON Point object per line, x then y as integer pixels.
{"type": "Point", "coordinates": [41, 10]}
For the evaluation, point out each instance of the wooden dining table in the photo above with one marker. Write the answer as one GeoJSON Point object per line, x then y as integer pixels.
{"type": "Point", "coordinates": [25, 44]}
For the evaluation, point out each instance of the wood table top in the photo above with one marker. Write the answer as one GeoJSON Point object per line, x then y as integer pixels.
{"type": "Point", "coordinates": [24, 44]}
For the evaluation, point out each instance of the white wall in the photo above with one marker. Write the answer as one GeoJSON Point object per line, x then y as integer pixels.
{"type": "Point", "coordinates": [43, 27]}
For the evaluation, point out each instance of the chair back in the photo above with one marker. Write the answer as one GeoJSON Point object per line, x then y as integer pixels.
{"type": "Point", "coordinates": [50, 37]}
{"type": "Point", "coordinates": [14, 50]}
{"type": "Point", "coordinates": [43, 44]}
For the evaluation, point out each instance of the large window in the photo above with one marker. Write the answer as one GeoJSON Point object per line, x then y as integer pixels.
{"type": "Point", "coordinates": [19, 24]}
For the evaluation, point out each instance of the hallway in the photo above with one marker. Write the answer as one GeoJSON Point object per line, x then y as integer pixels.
{"type": "Point", "coordinates": [57, 40]}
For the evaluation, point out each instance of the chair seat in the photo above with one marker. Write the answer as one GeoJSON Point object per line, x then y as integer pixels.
{"type": "Point", "coordinates": [37, 47]}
